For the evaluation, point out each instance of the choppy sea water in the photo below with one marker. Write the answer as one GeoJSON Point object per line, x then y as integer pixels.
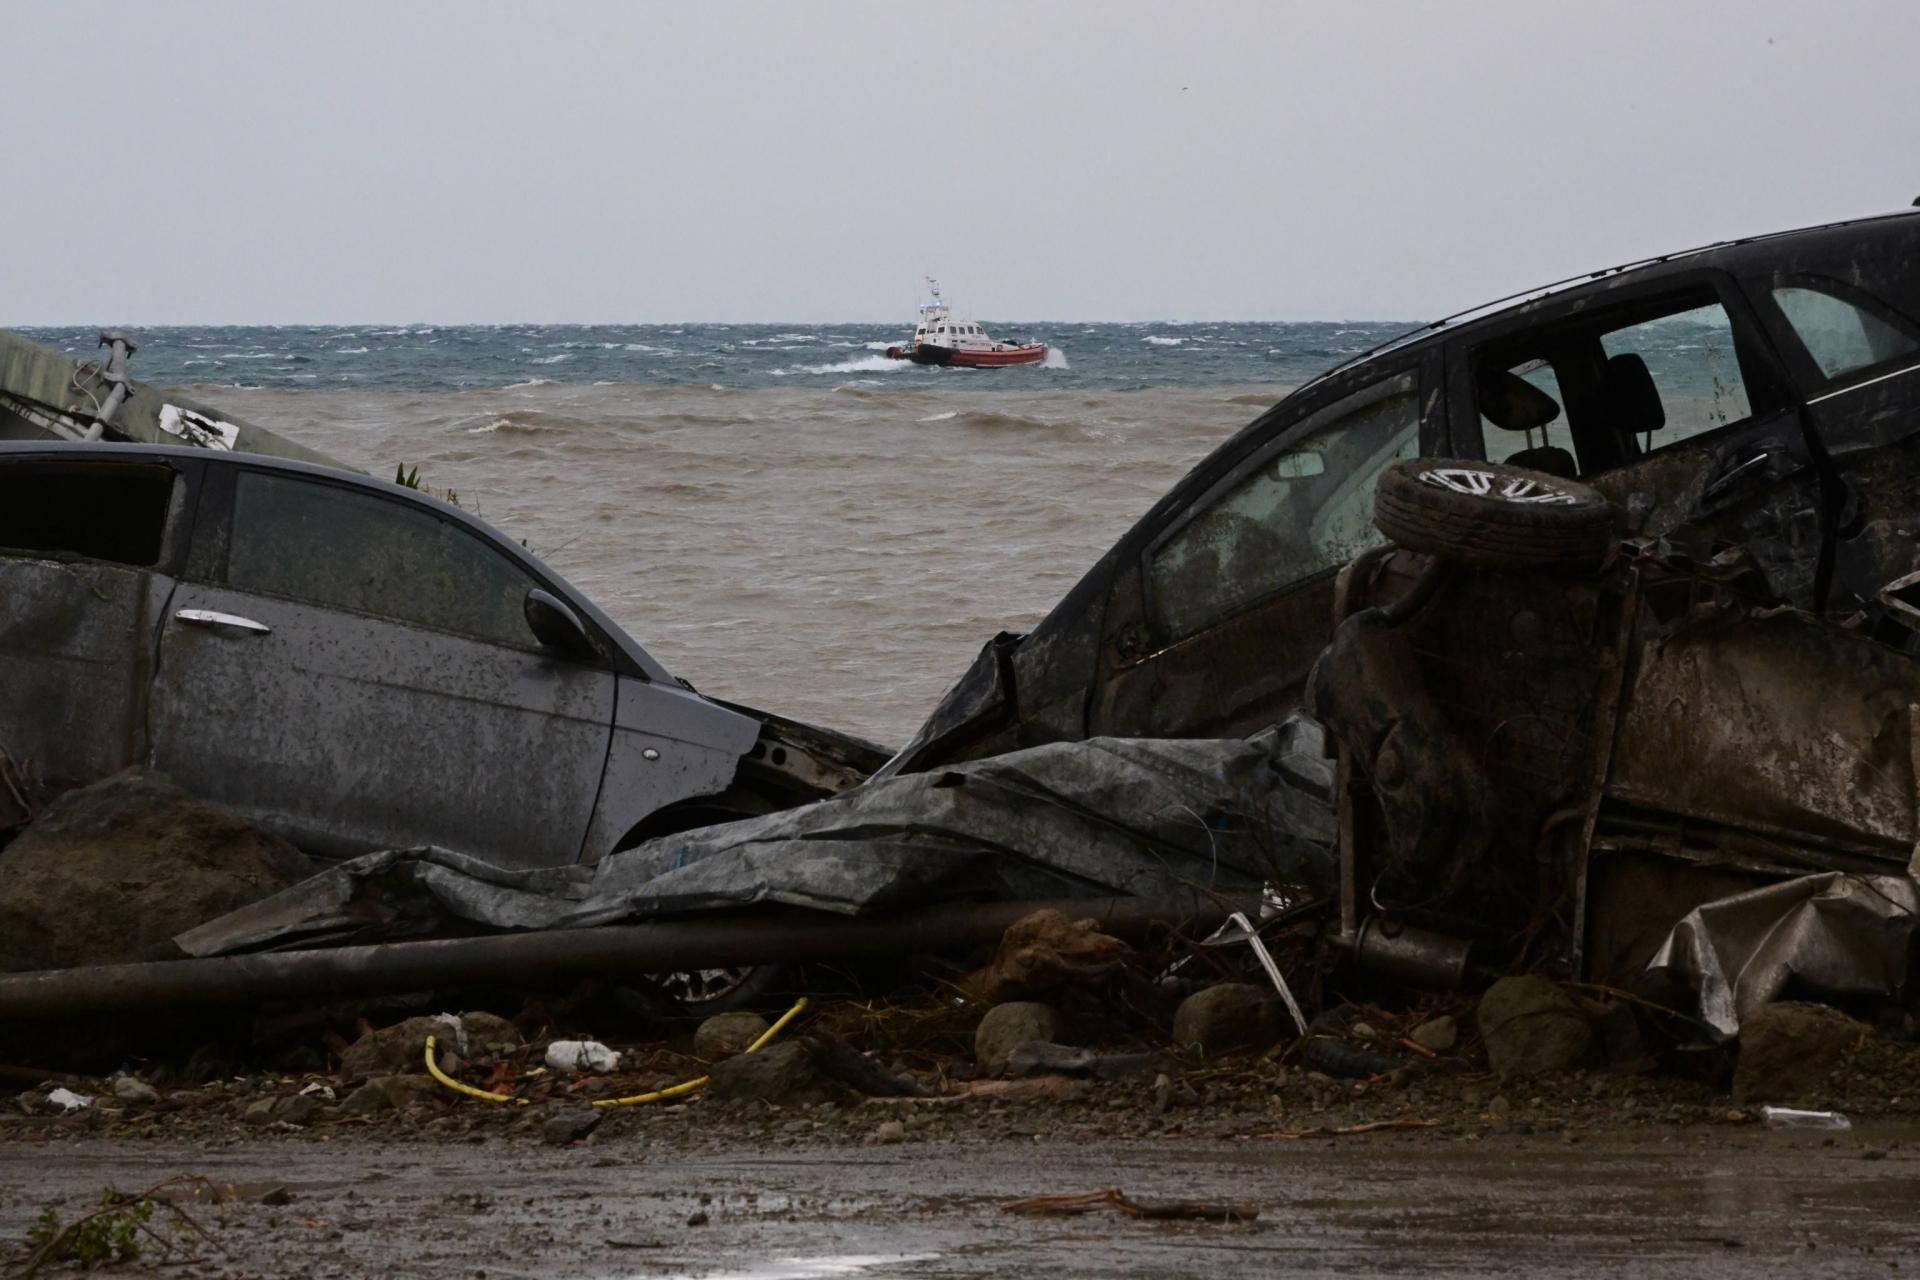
{"type": "Point", "coordinates": [780, 514]}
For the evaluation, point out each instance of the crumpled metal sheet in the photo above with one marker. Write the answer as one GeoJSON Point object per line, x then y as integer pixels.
{"type": "Point", "coordinates": [1109, 816]}
{"type": "Point", "coordinates": [1833, 934]}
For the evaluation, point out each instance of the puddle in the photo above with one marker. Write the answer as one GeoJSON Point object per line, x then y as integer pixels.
{"type": "Point", "coordinates": [876, 1265]}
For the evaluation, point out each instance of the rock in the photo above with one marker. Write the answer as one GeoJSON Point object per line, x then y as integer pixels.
{"type": "Point", "coordinates": [110, 872]}
{"type": "Point", "coordinates": [1008, 1025]}
{"type": "Point", "coordinates": [488, 1035]}
{"type": "Point", "coordinates": [368, 1099]}
{"type": "Point", "coordinates": [570, 1126]}
{"type": "Point", "coordinates": [1232, 1015]}
{"type": "Point", "coordinates": [890, 1132]}
{"type": "Point", "coordinates": [299, 1109]}
{"type": "Point", "coordinates": [784, 1072]}
{"type": "Point", "coordinates": [405, 1090]}
{"type": "Point", "coordinates": [1042, 952]}
{"type": "Point", "coordinates": [400, 1047]}
{"type": "Point", "coordinates": [1439, 1034]}
{"type": "Point", "coordinates": [726, 1034]}
{"type": "Point", "coordinates": [133, 1090]}
{"type": "Point", "coordinates": [259, 1111]}
{"type": "Point", "coordinates": [1788, 1050]}
{"type": "Point", "coordinates": [1531, 1027]}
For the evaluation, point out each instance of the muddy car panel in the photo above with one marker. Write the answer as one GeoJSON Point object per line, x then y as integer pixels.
{"type": "Point", "coordinates": [345, 661]}
{"type": "Point", "coordinates": [1741, 435]}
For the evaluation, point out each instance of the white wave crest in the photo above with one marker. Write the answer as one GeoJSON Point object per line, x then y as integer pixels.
{"type": "Point", "coordinates": [559, 359]}
{"type": "Point", "coordinates": [530, 382]}
{"type": "Point", "coordinates": [1159, 341]}
{"type": "Point", "coordinates": [350, 351]}
{"type": "Point", "coordinates": [948, 416]}
{"type": "Point", "coordinates": [865, 364]}
{"type": "Point", "coordinates": [1056, 359]}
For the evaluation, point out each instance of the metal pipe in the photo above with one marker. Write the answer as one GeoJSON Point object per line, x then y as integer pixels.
{"type": "Point", "coordinates": [551, 956]}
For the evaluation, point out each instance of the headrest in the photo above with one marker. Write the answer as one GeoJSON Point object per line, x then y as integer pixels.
{"type": "Point", "coordinates": [1511, 402]}
{"type": "Point", "coordinates": [1633, 402]}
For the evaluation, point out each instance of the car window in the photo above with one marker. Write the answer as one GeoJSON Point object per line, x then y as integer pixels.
{"type": "Point", "coordinates": [1841, 336]}
{"type": "Point", "coordinates": [1303, 509]}
{"type": "Point", "coordinates": [344, 549]}
{"type": "Point", "coordinates": [111, 511]}
{"type": "Point", "coordinates": [1675, 376]}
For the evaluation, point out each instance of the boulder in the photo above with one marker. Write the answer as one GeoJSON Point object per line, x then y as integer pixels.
{"type": "Point", "coordinates": [1531, 1027]}
{"type": "Point", "coordinates": [1231, 1015]}
{"type": "Point", "coordinates": [108, 873]}
{"type": "Point", "coordinates": [784, 1073]}
{"type": "Point", "coordinates": [1042, 952]}
{"type": "Point", "coordinates": [1788, 1052]}
{"type": "Point", "coordinates": [1006, 1026]}
{"type": "Point", "coordinates": [402, 1046]}
{"type": "Point", "coordinates": [725, 1034]}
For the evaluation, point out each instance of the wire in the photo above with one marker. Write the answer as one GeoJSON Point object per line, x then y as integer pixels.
{"type": "Point", "coordinates": [633, 1100]}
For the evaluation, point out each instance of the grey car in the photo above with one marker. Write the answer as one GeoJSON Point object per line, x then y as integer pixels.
{"type": "Point", "coordinates": [352, 664]}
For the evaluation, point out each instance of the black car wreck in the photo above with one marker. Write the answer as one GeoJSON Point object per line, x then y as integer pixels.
{"type": "Point", "coordinates": [1752, 392]}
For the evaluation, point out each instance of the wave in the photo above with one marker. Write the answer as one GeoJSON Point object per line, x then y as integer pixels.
{"type": "Point", "coordinates": [530, 382]}
{"type": "Point", "coordinates": [865, 364]}
{"type": "Point", "coordinates": [351, 351]}
{"type": "Point", "coordinates": [948, 416]}
{"type": "Point", "coordinates": [1159, 341]}
{"type": "Point", "coordinates": [1056, 359]}
{"type": "Point", "coordinates": [562, 358]}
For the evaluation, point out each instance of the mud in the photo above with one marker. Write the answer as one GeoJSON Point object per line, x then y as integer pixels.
{"type": "Point", "coordinates": [1698, 1200]}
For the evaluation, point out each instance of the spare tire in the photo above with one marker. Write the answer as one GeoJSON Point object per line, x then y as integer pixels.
{"type": "Point", "coordinates": [1491, 514]}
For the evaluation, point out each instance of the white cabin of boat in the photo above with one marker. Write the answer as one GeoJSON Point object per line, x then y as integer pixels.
{"type": "Point", "coordinates": [939, 327]}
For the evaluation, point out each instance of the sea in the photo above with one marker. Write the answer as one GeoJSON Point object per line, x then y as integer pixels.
{"type": "Point", "coordinates": [779, 513]}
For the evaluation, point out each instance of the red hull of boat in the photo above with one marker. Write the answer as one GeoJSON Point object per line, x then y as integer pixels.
{"type": "Point", "coordinates": [951, 358]}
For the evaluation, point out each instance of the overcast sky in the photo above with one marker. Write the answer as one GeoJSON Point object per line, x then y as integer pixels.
{"type": "Point", "coordinates": [599, 161]}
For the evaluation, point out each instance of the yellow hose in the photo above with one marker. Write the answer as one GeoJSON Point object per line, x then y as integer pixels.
{"type": "Point", "coordinates": [672, 1091]}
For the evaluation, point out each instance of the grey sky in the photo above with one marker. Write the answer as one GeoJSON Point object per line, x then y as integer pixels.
{"type": "Point", "coordinates": [344, 162]}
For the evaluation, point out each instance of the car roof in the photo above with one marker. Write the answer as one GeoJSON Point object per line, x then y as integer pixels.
{"type": "Point", "coordinates": [1733, 254]}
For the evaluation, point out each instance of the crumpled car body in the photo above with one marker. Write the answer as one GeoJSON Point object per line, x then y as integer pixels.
{"type": "Point", "coordinates": [352, 664]}
{"type": "Point", "coordinates": [1761, 392]}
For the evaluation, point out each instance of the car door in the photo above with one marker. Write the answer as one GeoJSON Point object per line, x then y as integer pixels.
{"type": "Point", "coordinates": [87, 551]}
{"type": "Point", "coordinates": [354, 669]}
{"type": "Point", "coordinates": [1670, 399]}
{"type": "Point", "coordinates": [1212, 630]}
{"type": "Point", "coordinates": [1853, 347]}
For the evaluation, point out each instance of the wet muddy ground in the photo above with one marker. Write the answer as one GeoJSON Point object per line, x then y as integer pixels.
{"type": "Point", "coordinates": [1696, 1200]}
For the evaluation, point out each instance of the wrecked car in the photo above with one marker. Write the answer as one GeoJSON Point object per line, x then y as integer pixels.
{"type": "Point", "coordinates": [353, 665]}
{"type": "Point", "coordinates": [1751, 392]}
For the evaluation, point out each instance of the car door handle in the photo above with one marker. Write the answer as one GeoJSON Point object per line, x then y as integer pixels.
{"type": "Point", "coordinates": [214, 618]}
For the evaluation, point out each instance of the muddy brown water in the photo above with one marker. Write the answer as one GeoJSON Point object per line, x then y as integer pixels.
{"type": "Point", "coordinates": [838, 555]}
{"type": "Point", "coordinates": [1688, 1202]}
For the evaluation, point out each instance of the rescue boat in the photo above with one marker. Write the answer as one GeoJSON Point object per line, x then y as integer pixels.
{"type": "Point", "coordinates": [941, 338]}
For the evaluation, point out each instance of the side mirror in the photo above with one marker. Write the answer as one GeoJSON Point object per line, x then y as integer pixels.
{"type": "Point", "coordinates": [556, 626]}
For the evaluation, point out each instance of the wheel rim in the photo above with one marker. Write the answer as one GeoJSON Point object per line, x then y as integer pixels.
{"type": "Point", "coordinates": [1476, 483]}
{"type": "Point", "coordinates": [696, 986]}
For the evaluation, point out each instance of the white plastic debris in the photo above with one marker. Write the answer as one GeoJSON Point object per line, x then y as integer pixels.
{"type": "Point", "coordinates": [68, 1100]}
{"type": "Point", "coordinates": [577, 1056]}
{"type": "Point", "coordinates": [1792, 1118]}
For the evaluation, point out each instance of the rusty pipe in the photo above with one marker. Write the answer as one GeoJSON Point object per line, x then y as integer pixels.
{"type": "Point", "coordinates": [553, 956]}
